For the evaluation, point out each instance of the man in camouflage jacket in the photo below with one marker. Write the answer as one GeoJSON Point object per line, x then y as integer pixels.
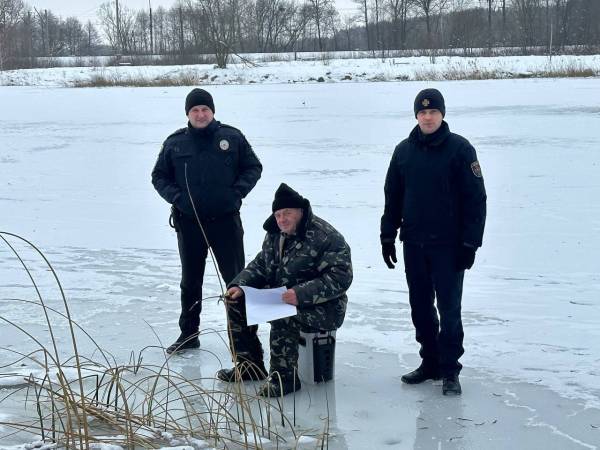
{"type": "Point", "coordinates": [311, 258]}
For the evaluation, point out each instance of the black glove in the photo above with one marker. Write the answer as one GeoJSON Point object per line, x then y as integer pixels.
{"type": "Point", "coordinates": [465, 257]}
{"type": "Point", "coordinates": [388, 250]}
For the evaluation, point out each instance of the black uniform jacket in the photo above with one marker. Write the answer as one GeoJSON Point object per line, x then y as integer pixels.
{"type": "Point", "coordinates": [219, 165]}
{"type": "Point", "coordinates": [434, 191]}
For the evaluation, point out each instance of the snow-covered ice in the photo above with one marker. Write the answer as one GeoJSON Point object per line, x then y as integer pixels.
{"type": "Point", "coordinates": [75, 169]}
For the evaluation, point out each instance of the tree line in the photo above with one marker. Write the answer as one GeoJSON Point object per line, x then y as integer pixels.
{"type": "Point", "coordinates": [221, 27]}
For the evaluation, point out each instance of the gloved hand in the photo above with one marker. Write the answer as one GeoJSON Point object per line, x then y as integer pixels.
{"type": "Point", "coordinates": [388, 250]}
{"type": "Point", "coordinates": [465, 257]}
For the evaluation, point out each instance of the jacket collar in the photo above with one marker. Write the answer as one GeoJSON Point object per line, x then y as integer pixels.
{"type": "Point", "coordinates": [434, 139]}
{"type": "Point", "coordinates": [203, 132]}
{"type": "Point", "coordinates": [270, 225]}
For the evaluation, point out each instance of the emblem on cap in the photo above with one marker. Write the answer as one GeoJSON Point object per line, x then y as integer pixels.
{"type": "Point", "coordinates": [224, 144]}
{"type": "Point", "coordinates": [476, 168]}
{"type": "Point", "coordinates": [425, 102]}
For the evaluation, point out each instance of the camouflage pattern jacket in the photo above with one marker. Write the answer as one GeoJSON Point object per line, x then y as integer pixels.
{"type": "Point", "coordinates": [315, 262]}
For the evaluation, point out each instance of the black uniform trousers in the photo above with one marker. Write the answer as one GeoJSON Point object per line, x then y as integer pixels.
{"type": "Point", "coordinates": [226, 237]}
{"type": "Point", "coordinates": [431, 275]}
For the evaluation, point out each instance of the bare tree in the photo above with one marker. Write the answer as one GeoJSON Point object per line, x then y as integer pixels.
{"type": "Point", "coordinates": [296, 26]}
{"type": "Point", "coordinates": [269, 23]}
{"type": "Point", "coordinates": [363, 7]}
{"type": "Point", "coordinates": [118, 23]}
{"type": "Point", "coordinates": [563, 11]}
{"type": "Point", "coordinates": [490, 33]}
{"type": "Point", "coordinates": [11, 12]}
{"type": "Point", "coordinates": [464, 30]}
{"type": "Point", "coordinates": [74, 36]}
{"type": "Point", "coordinates": [527, 16]}
{"type": "Point", "coordinates": [51, 33]}
{"type": "Point", "coordinates": [504, 22]}
{"type": "Point", "coordinates": [378, 36]}
{"type": "Point", "coordinates": [398, 10]}
{"type": "Point", "coordinates": [323, 11]}
{"type": "Point", "coordinates": [430, 9]}
{"type": "Point", "coordinates": [92, 37]}
{"type": "Point", "coordinates": [219, 26]}
{"type": "Point", "coordinates": [142, 32]}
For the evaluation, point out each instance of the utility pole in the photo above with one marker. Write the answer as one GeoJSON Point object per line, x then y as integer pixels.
{"type": "Point", "coordinates": [490, 36]}
{"type": "Point", "coordinates": [30, 33]}
{"type": "Point", "coordinates": [118, 26]}
{"type": "Point", "coordinates": [47, 32]}
{"type": "Point", "coordinates": [503, 22]}
{"type": "Point", "coordinates": [151, 30]}
{"type": "Point", "coordinates": [181, 48]}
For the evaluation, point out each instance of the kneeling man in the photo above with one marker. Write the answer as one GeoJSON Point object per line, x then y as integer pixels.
{"type": "Point", "coordinates": [312, 260]}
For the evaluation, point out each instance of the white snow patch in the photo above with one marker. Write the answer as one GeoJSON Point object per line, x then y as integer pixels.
{"type": "Point", "coordinates": [330, 71]}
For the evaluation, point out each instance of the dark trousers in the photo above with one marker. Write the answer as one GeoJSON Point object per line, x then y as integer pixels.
{"type": "Point", "coordinates": [431, 275]}
{"type": "Point", "coordinates": [226, 237]}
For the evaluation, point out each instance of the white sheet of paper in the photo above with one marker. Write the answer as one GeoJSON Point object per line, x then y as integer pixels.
{"type": "Point", "coordinates": [264, 305]}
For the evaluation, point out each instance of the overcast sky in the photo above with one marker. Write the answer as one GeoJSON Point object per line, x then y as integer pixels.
{"type": "Point", "coordinates": [86, 9]}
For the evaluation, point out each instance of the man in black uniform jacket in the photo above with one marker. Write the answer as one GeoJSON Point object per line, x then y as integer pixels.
{"type": "Point", "coordinates": [434, 193]}
{"type": "Point", "coordinates": [205, 170]}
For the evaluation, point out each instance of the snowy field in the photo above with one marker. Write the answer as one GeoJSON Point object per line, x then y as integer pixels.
{"type": "Point", "coordinates": [325, 70]}
{"type": "Point", "coordinates": [75, 168]}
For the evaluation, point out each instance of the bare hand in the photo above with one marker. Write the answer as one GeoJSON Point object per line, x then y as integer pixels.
{"type": "Point", "coordinates": [233, 293]}
{"type": "Point", "coordinates": [289, 297]}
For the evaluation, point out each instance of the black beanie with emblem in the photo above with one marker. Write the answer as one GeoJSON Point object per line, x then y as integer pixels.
{"type": "Point", "coordinates": [430, 99]}
{"type": "Point", "coordinates": [286, 197]}
{"type": "Point", "coordinates": [198, 97]}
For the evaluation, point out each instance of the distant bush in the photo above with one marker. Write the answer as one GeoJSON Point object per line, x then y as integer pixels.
{"type": "Point", "coordinates": [471, 71]}
{"type": "Point", "coordinates": [104, 79]}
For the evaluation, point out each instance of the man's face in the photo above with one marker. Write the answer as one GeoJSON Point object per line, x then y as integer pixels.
{"type": "Point", "coordinates": [288, 219]}
{"type": "Point", "coordinates": [430, 120]}
{"type": "Point", "coordinates": [200, 116]}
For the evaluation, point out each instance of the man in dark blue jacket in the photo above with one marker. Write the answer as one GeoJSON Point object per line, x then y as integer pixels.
{"type": "Point", "coordinates": [204, 171]}
{"type": "Point", "coordinates": [434, 193]}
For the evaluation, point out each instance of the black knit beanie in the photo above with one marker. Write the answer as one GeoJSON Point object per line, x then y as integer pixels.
{"type": "Point", "coordinates": [286, 197]}
{"type": "Point", "coordinates": [430, 99]}
{"type": "Point", "coordinates": [198, 97]}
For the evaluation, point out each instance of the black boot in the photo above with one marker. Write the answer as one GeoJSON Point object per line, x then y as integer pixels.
{"type": "Point", "coordinates": [277, 386]}
{"type": "Point", "coordinates": [184, 342]}
{"type": "Point", "coordinates": [451, 385]}
{"type": "Point", "coordinates": [246, 371]}
{"type": "Point", "coordinates": [420, 374]}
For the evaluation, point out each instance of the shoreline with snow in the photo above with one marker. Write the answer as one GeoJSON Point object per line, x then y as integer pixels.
{"type": "Point", "coordinates": [418, 68]}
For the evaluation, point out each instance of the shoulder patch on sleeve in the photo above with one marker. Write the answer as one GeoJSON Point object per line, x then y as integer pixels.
{"type": "Point", "coordinates": [476, 168]}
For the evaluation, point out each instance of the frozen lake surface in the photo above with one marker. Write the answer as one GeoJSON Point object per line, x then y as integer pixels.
{"type": "Point", "coordinates": [75, 168]}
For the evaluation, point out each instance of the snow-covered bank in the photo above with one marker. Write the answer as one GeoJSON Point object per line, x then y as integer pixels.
{"type": "Point", "coordinates": [76, 182]}
{"type": "Point", "coordinates": [326, 70]}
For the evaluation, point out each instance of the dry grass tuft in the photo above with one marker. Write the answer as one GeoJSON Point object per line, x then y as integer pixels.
{"type": "Point", "coordinates": [81, 400]}
{"type": "Point", "coordinates": [471, 71]}
{"type": "Point", "coordinates": [115, 79]}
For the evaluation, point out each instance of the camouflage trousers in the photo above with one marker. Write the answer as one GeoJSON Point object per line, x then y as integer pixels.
{"type": "Point", "coordinates": [285, 334]}
{"type": "Point", "coordinates": [285, 337]}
